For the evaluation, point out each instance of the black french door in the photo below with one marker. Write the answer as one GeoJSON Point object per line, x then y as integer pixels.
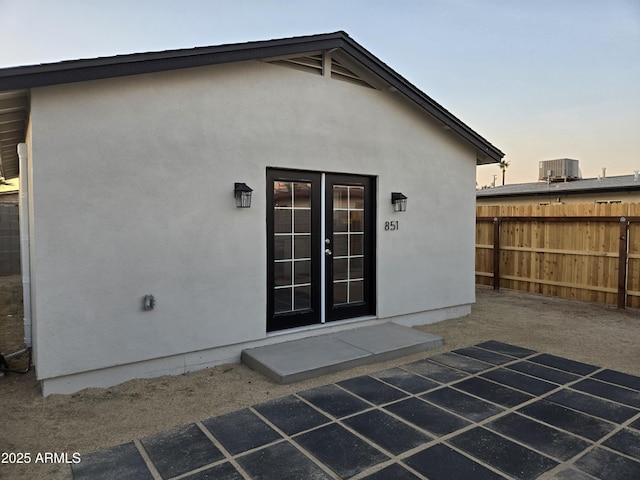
{"type": "Point", "coordinates": [320, 241]}
{"type": "Point", "coordinates": [349, 242]}
{"type": "Point", "coordinates": [294, 274]}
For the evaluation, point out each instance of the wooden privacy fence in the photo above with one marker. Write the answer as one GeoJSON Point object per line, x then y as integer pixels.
{"type": "Point", "coordinates": [583, 252]}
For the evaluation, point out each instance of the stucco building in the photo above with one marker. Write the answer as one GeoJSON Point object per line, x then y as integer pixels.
{"type": "Point", "coordinates": [130, 164]}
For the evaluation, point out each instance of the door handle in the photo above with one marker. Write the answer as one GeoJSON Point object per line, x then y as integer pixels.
{"type": "Point", "coordinates": [328, 252]}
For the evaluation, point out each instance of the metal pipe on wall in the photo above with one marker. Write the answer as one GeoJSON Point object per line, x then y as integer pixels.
{"type": "Point", "coordinates": [25, 254]}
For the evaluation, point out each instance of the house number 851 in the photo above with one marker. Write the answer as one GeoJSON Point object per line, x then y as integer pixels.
{"type": "Point", "coordinates": [391, 226]}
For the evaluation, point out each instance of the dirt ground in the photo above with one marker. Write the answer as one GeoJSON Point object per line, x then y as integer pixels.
{"type": "Point", "coordinates": [98, 418]}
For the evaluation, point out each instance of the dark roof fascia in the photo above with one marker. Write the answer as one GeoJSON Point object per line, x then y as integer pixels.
{"type": "Point", "coordinates": [71, 71]}
{"type": "Point", "coordinates": [390, 76]}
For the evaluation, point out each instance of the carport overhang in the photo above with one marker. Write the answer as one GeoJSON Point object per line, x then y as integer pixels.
{"type": "Point", "coordinates": [14, 112]}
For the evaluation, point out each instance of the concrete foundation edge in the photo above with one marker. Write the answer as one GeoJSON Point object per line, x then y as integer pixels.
{"type": "Point", "coordinates": [193, 361]}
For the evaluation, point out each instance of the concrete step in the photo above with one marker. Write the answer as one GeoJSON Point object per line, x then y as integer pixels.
{"type": "Point", "coordinates": [311, 357]}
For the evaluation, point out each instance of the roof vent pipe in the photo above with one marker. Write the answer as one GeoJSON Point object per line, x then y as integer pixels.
{"type": "Point", "coordinates": [604, 172]}
{"type": "Point", "coordinates": [636, 175]}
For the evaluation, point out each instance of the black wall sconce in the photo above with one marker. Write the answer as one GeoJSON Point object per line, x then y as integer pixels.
{"type": "Point", "coordinates": [242, 192]}
{"type": "Point", "coordinates": [399, 202]}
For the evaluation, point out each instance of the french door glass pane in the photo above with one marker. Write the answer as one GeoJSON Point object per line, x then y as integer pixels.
{"type": "Point", "coordinates": [340, 293]}
{"type": "Point", "coordinates": [302, 246]}
{"type": "Point", "coordinates": [282, 220]}
{"type": "Point", "coordinates": [302, 298]}
{"type": "Point", "coordinates": [355, 221]}
{"type": "Point", "coordinates": [302, 272]}
{"type": "Point", "coordinates": [282, 274]}
{"type": "Point", "coordinates": [340, 220]}
{"type": "Point", "coordinates": [340, 197]}
{"type": "Point", "coordinates": [340, 245]}
{"type": "Point", "coordinates": [356, 198]}
{"type": "Point", "coordinates": [340, 269]}
{"type": "Point", "coordinates": [292, 245]}
{"type": "Point", "coordinates": [282, 247]}
{"type": "Point", "coordinates": [348, 246]}
{"type": "Point", "coordinates": [282, 299]}
{"type": "Point", "coordinates": [356, 271]}
{"type": "Point", "coordinates": [302, 220]}
{"type": "Point", "coordinates": [356, 244]}
{"type": "Point", "coordinates": [302, 194]}
{"type": "Point", "coordinates": [282, 194]}
{"type": "Point", "coordinates": [356, 291]}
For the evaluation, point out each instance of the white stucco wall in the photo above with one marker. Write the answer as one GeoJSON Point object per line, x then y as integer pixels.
{"type": "Point", "coordinates": [132, 183]}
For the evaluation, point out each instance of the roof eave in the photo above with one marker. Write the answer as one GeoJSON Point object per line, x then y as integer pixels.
{"type": "Point", "coordinates": [486, 153]}
{"type": "Point", "coordinates": [72, 71]}
{"type": "Point", "coordinates": [139, 63]}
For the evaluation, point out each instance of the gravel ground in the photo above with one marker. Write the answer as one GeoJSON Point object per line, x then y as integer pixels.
{"type": "Point", "coordinates": [97, 418]}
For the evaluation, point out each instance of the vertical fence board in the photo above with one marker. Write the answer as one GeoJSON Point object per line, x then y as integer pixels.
{"type": "Point", "coordinates": [572, 251]}
{"type": "Point", "coordinates": [496, 254]}
{"type": "Point", "coordinates": [633, 262]}
{"type": "Point", "coordinates": [622, 264]}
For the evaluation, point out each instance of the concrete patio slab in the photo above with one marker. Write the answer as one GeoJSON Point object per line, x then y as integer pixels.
{"type": "Point", "coordinates": [297, 360]}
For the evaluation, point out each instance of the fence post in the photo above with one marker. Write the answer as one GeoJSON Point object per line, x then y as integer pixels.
{"type": "Point", "coordinates": [622, 263]}
{"type": "Point", "coordinates": [496, 253]}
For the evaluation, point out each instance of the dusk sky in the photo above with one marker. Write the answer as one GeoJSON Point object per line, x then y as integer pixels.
{"type": "Point", "coordinates": [539, 79]}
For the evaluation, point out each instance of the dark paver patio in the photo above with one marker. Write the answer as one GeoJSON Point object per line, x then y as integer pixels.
{"type": "Point", "coordinates": [491, 411]}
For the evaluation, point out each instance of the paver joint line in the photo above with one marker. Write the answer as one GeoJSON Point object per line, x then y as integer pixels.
{"type": "Point", "coordinates": [227, 455]}
{"type": "Point", "coordinates": [152, 468]}
{"type": "Point", "coordinates": [453, 411]}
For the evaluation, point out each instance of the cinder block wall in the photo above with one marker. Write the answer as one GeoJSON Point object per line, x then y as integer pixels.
{"type": "Point", "coordinates": [9, 240]}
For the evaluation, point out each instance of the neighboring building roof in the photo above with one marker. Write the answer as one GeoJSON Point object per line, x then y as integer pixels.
{"type": "Point", "coordinates": [17, 80]}
{"type": "Point", "coordinates": [588, 185]}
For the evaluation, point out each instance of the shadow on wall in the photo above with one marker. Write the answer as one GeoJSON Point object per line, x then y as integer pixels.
{"type": "Point", "coordinates": [9, 239]}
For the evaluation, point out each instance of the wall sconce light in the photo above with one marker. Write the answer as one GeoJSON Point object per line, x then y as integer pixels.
{"type": "Point", "coordinates": [399, 202]}
{"type": "Point", "coordinates": [148, 302]}
{"type": "Point", "coordinates": [242, 192]}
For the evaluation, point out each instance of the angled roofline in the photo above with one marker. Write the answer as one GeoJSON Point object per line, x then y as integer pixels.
{"type": "Point", "coordinates": [70, 71]}
{"type": "Point", "coordinates": [32, 76]}
{"type": "Point", "coordinates": [487, 153]}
